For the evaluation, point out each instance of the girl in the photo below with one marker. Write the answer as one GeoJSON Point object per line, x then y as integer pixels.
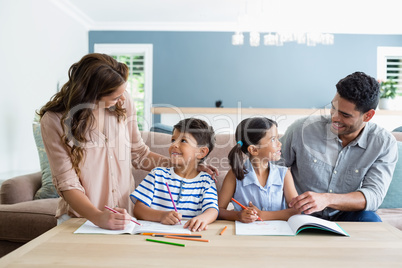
{"type": "Point", "coordinates": [265, 187]}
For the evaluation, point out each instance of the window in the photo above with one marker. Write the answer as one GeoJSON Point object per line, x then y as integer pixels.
{"type": "Point", "coordinates": [389, 65]}
{"type": "Point", "coordinates": [138, 58]}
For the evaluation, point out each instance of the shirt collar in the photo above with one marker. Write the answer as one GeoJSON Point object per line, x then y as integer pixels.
{"type": "Point", "coordinates": [361, 140]}
{"type": "Point", "coordinates": [251, 177]}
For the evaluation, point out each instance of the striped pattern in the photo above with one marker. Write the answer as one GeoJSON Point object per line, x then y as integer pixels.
{"type": "Point", "coordinates": [192, 196]}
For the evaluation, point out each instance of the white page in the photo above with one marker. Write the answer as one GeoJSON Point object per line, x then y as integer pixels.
{"type": "Point", "coordinates": [298, 220]}
{"type": "Point", "coordinates": [132, 228]}
{"type": "Point", "coordinates": [263, 228]}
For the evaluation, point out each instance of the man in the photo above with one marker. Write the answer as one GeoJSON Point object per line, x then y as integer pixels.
{"type": "Point", "coordinates": [342, 164]}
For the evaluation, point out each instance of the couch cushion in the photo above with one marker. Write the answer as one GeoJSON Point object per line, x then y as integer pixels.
{"type": "Point", "coordinates": [25, 221]}
{"type": "Point", "coordinates": [391, 216]}
{"type": "Point", "coordinates": [47, 189]}
{"type": "Point", "coordinates": [393, 199]}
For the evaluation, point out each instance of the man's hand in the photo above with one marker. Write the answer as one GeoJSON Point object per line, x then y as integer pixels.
{"type": "Point", "coordinates": [211, 170]}
{"type": "Point", "coordinates": [309, 202]}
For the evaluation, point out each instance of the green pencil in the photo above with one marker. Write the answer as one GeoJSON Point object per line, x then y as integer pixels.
{"type": "Point", "coordinates": [165, 242]}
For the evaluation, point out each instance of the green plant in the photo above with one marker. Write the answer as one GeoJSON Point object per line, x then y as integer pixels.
{"type": "Point", "coordinates": [388, 89]}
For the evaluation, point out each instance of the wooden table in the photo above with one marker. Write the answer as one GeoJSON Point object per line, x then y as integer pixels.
{"type": "Point", "coordinates": [369, 245]}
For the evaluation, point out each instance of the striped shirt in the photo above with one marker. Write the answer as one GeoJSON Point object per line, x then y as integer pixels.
{"type": "Point", "coordinates": [191, 196]}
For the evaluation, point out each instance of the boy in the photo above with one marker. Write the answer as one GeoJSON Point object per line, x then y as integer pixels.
{"type": "Point", "coordinates": [193, 192]}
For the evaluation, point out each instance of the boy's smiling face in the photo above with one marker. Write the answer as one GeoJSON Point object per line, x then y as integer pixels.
{"type": "Point", "coordinates": [184, 150]}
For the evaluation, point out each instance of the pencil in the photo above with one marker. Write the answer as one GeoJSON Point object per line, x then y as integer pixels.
{"type": "Point", "coordinates": [165, 242]}
{"type": "Point", "coordinates": [223, 230]}
{"type": "Point", "coordinates": [166, 234]}
{"type": "Point", "coordinates": [171, 197]}
{"type": "Point", "coordinates": [192, 236]}
{"type": "Point", "coordinates": [187, 238]}
{"type": "Point", "coordinates": [243, 207]}
{"type": "Point", "coordinates": [115, 211]}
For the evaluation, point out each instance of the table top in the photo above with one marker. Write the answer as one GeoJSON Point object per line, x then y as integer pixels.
{"type": "Point", "coordinates": [369, 245]}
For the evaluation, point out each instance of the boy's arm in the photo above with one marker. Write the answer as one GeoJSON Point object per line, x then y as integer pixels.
{"type": "Point", "coordinates": [143, 212]}
{"type": "Point", "coordinates": [200, 222]}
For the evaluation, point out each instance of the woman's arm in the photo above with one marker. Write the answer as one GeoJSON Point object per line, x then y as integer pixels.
{"type": "Point", "coordinates": [104, 219]}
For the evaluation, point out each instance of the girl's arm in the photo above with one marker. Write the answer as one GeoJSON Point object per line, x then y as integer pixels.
{"type": "Point", "coordinates": [143, 212]}
{"type": "Point", "coordinates": [224, 197]}
{"type": "Point", "coordinates": [290, 192]}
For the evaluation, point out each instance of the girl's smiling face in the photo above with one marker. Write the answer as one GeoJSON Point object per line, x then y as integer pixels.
{"type": "Point", "coordinates": [269, 146]}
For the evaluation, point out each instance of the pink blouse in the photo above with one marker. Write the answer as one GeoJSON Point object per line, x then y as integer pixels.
{"type": "Point", "coordinates": [106, 177]}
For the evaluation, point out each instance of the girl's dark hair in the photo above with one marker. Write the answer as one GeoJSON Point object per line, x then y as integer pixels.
{"type": "Point", "coordinates": [93, 77]}
{"type": "Point", "coordinates": [249, 132]}
{"type": "Point", "coordinates": [202, 132]}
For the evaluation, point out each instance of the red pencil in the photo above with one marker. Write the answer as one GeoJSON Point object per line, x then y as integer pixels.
{"type": "Point", "coordinates": [115, 211]}
{"type": "Point", "coordinates": [243, 207]}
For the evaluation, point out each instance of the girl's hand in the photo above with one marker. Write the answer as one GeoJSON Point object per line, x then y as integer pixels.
{"type": "Point", "coordinates": [248, 215]}
{"type": "Point", "coordinates": [251, 206]}
{"type": "Point", "coordinates": [171, 218]}
{"type": "Point", "coordinates": [196, 224]}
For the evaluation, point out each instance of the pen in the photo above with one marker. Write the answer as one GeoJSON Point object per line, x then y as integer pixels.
{"type": "Point", "coordinates": [223, 230]}
{"type": "Point", "coordinates": [165, 242]}
{"type": "Point", "coordinates": [115, 211]}
{"type": "Point", "coordinates": [171, 197]}
{"type": "Point", "coordinates": [243, 207]}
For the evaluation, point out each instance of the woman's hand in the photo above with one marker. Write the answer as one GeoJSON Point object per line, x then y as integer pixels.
{"type": "Point", "coordinates": [211, 170]}
{"type": "Point", "coordinates": [114, 221]}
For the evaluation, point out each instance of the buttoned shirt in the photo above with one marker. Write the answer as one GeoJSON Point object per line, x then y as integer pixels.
{"type": "Point", "coordinates": [106, 177]}
{"type": "Point", "coordinates": [320, 163]}
{"type": "Point", "coordinates": [269, 197]}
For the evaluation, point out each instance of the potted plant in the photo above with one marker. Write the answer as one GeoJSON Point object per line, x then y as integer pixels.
{"type": "Point", "coordinates": [388, 92]}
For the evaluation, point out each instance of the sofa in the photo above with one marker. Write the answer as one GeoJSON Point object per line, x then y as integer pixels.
{"type": "Point", "coordinates": [22, 218]}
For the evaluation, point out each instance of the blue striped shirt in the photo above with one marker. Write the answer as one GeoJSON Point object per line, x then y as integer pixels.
{"type": "Point", "coordinates": [191, 196]}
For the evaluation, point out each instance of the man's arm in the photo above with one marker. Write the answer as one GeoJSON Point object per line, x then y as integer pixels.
{"type": "Point", "coordinates": [310, 202]}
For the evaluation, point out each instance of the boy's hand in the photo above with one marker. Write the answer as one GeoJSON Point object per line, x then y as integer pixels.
{"type": "Point", "coordinates": [196, 224]}
{"type": "Point", "coordinates": [171, 218]}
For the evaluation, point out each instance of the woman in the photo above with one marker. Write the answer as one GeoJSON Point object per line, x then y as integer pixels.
{"type": "Point", "coordinates": [91, 136]}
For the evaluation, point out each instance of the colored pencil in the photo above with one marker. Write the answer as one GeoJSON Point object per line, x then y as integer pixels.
{"type": "Point", "coordinates": [192, 236]}
{"type": "Point", "coordinates": [224, 229]}
{"type": "Point", "coordinates": [115, 211]}
{"type": "Point", "coordinates": [187, 238]}
{"type": "Point", "coordinates": [171, 198]}
{"type": "Point", "coordinates": [243, 207]}
{"type": "Point", "coordinates": [165, 242]}
{"type": "Point", "coordinates": [166, 234]}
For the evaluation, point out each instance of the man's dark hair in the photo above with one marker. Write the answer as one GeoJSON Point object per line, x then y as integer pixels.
{"type": "Point", "coordinates": [202, 132]}
{"type": "Point", "coordinates": [360, 89]}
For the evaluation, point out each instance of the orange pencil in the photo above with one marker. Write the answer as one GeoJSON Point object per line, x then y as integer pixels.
{"type": "Point", "coordinates": [187, 238]}
{"type": "Point", "coordinates": [224, 229]}
{"type": "Point", "coordinates": [243, 207]}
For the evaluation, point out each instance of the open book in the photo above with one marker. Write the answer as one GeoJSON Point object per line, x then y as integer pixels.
{"type": "Point", "coordinates": [293, 226]}
{"type": "Point", "coordinates": [132, 228]}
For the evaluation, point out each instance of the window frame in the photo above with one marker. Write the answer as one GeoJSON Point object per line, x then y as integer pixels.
{"type": "Point", "coordinates": [147, 50]}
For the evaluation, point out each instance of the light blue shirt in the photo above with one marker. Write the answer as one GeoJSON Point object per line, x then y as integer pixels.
{"type": "Point", "coordinates": [267, 198]}
{"type": "Point", "coordinates": [320, 163]}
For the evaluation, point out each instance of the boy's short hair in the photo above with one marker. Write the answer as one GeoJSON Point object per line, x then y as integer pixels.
{"type": "Point", "coordinates": [202, 132]}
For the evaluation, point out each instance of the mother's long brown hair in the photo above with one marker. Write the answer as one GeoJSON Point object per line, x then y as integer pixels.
{"type": "Point", "coordinates": [90, 79]}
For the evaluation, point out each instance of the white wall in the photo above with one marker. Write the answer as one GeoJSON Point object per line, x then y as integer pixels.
{"type": "Point", "coordinates": [38, 43]}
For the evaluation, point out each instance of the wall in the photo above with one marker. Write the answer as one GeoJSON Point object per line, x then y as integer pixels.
{"type": "Point", "coordinates": [198, 68]}
{"type": "Point", "coordinates": [38, 44]}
